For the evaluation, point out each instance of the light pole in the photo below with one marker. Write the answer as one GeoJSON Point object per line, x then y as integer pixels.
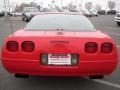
{"type": "Point", "coordinates": [81, 4]}
{"type": "Point", "coordinates": [8, 5]}
{"type": "Point", "coordinates": [57, 2]}
{"type": "Point", "coordinates": [76, 3]}
{"type": "Point", "coordinates": [5, 7]}
{"type": "Point", "coordinates": [61, 3]}
{"type": "Point", "coordinates": [34, 2]}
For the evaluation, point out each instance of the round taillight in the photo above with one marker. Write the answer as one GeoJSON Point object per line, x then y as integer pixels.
{"type": "Point", "coordinates": [91, 47]}
{"type": "Point", "coordinates": [28, 46]}
{"type": "Point", "coordinates": [106, 47]}
{"type": "Point", "coordinates": [12, 46]}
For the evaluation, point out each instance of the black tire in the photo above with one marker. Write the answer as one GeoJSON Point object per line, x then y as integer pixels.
{"type": "Point", "coordinates": [96, 77]}
{"type": "Point", "coordinates": [21, 75]}
{"type": "Point", "coordinates": [118, 23]}
{"type": "Point", "coordinates": [90, 15]}
{"type": "Point", "coordinates": [26, 19]}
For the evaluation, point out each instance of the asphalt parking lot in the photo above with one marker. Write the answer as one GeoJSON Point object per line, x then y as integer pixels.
{"type": "Point", "coordinates": [112, 82]}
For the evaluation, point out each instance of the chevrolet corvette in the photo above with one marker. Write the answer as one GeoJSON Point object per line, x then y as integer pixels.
{"type": "Point", "coordinates": [59, 44]}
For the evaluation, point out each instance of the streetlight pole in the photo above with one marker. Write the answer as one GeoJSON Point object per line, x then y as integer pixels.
{"type": "Point", "coordinates": [61, 3]}
{"type": "Point", "coordinates": [5, 7]}
{"type": "Point", "coordinates": [8, 5]}
{"type": "Point", "coordinates": [57, 2]}
{"type": "Point", "coordinates": [81, 4]}
{"type": "Point", "coordinates": [76, 3]}
{"type": "Point", "coordinates": [34, 3]}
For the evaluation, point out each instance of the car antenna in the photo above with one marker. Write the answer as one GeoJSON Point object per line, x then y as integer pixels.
{"type": "Point", "coordinates": [11, 25]}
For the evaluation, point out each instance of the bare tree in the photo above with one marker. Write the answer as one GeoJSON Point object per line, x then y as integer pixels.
{"type": "Point", "coordinates": [88, 5]}
{"type": "Point", "coordinates": [98, 7]}
{"type": "Point", "coordinates": [111, 4]}
{"type": "Point", "coordinates": [71, 6]}
{"type": "Point", "coordinates": [22, 5]}
{"type": "Point", "coordinates": [16, 8]}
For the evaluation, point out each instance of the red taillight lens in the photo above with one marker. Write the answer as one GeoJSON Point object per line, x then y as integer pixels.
{"type": "Point", "coordinates": [12, 46]}
{"type": "Point", "coordinates": [106, 47]}
{"type": "Point", "coordinates": [91, 47]}
{"type": "Point", "coordinates": [28, 46]}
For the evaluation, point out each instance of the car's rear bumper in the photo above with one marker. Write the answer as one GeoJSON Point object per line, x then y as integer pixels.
{"type": "Point", "coordinates": [85, 68]}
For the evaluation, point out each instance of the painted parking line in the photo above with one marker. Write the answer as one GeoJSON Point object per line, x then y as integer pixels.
{"type": "Point", "coordinates": [113, 33]}
{"type": "Point", "coordinates": [107, 83]}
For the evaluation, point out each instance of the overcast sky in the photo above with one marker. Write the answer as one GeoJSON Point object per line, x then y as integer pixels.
{"type": "Point", "coordinates": [103, 3]}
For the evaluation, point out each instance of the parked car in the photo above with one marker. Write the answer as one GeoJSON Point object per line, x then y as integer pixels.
{"type": "Point", "coordinates": [76, 11]}
{"type": "Point", "coordinates": [86, 13]}
{"type": "Point", "coordinates": [9, 13]}
{"type": "Point", "coordinates": [111, 12]}
{"type": "Point", "coordinates": [117, 18]}
{"type": "Point", "coordinates": [94, 13]}
{"type": "Point", "coordinates": [51, 10]}
{"type": "Point", "coordinates": [101, 12]}
{"type": "Point", "coordinates": [2, 13]}
{"type": "Point", "coordinates": [17, 14]}
{"type": "Point", "coordinates": [54, 10]}
{"type": "Point", "coordinates": [29, 13]}
{"type": "Point", "coordinates": [65, 10]}
{"type": "Point", "coordinates": [59, 44]}
{"type": "Point", "coordinates": [44, 10]}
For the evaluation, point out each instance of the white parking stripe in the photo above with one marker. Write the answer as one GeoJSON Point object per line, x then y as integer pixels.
{"type": "Point", "coordinates": [107, 83]}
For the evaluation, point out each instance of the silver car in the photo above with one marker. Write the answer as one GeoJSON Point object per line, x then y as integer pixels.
{"type": "Point", "coordinates": [117, 18]}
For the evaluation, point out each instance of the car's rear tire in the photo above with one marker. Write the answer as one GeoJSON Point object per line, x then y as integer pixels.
{"type": "Point", "coordinates": [26, 19]}
{"type": "Point", "coordinates": [118, 23]}
{"type": "Point", "coordinates": [90, 15]}
{"type": "Point", "coordinates": [21, 75]}
{"type": "Point", "coordinates": [96, 77]}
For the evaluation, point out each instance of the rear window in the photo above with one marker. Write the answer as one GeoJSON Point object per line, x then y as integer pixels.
{"type": "Point", "coordinates": [60, 21]}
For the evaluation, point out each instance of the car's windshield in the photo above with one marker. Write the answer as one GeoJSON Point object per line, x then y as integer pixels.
{"type": "Point", "coordinates": [59, 21]}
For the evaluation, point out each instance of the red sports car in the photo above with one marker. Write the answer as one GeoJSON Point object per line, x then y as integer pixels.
{"type": "Point", "coordinates": [59, 44]}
